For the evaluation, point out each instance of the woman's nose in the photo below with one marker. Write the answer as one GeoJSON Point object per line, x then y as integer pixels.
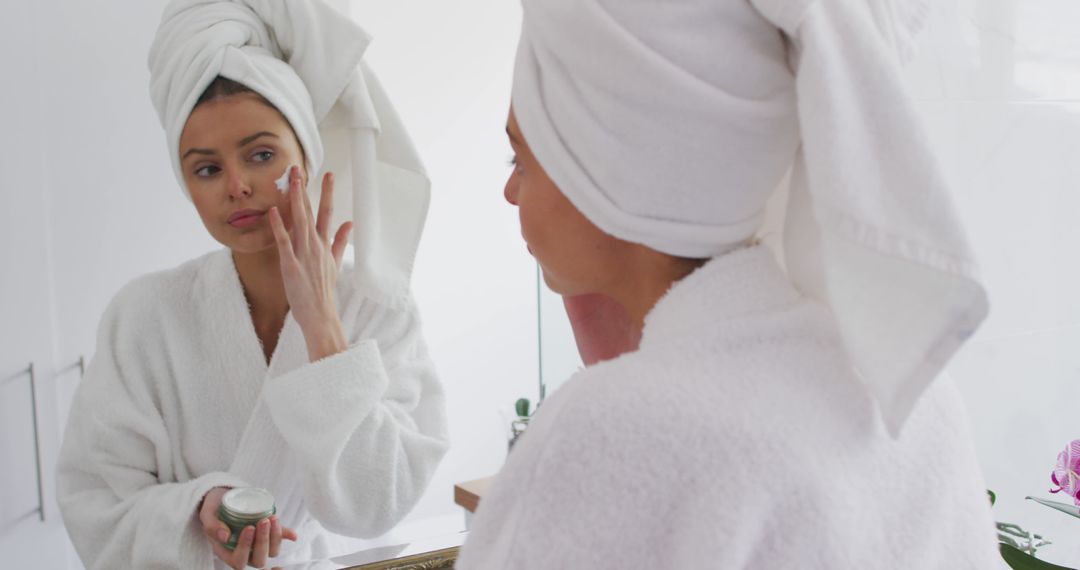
{"type": "Point", "coordinates": [511, 190]}
{"type": "Point", "coordinates": [238, 186]}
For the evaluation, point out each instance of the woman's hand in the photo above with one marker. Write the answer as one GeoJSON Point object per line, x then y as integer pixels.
{"type": "Point", "coordinates": [309, 266]}
{"type": "Point", "coordinates": [257, 544]}
{"type": "Point", "coordinates": [602, 327]}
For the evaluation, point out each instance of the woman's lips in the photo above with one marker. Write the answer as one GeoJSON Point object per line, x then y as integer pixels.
{"type": "Point", "coordinates": [245, 218]}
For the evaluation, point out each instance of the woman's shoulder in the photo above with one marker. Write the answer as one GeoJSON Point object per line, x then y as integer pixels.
{"type": "Point", "coordinates": [798, 394]}
{"type": "Point", "coordinates": [146, 296]}
{"type": "Point", "coordinates": [719, 395]}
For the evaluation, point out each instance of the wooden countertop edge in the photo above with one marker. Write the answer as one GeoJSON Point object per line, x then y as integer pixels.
{"type": "Point", "coordinates": [469, 493]}
{"type": "Point", "coordinates": [437, 559]}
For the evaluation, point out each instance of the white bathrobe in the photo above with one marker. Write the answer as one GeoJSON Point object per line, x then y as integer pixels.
{"type": "Point", "coordinates": [179, 399]}
{"type": "Point", "coordinates": [735, 437]}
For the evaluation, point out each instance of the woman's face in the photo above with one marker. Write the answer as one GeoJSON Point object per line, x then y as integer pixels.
{"type": "Point", "coordinates": [232, 151]}
{"type": "Point", "coordinates": [575, 256]}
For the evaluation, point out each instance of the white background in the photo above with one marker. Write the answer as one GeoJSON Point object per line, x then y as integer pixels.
{"type": "Point", "coordinates": [999, 82]}
{"type": "Point", "coordinates": [447, 66]}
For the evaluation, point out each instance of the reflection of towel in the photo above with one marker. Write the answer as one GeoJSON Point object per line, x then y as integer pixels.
{"type": "Point", "coordinates": [735, 438]}
{"type": "Point", "coordinates": [671, 123]}
{"type": "Point", "coordinates": [306, 59]}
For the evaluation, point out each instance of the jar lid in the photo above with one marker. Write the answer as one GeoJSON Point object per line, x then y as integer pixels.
{"type": "Point", "coordinates": [248, 501]}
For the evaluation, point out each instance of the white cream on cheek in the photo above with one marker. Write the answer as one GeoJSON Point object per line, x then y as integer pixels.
{"type": "Point", "coordinates": [283, 182]}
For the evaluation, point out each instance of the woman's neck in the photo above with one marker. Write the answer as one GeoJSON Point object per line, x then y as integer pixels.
{"type": "Point", "coordinates": [260, 276]}
{"type": "Point", "coordinates": [651, 278]}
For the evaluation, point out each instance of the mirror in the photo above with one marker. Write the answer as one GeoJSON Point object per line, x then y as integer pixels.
{"type": "Point", "coordinates": [93, 204]}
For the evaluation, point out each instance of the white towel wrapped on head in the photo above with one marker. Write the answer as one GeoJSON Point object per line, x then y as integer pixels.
{"type": "Point", "coordinates": [670, 124]}
{"type": "Point", "coordinates": [307, 60]}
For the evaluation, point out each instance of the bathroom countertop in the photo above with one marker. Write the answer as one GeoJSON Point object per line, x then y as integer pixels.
{"type": "Point", "coordinates": [468, 494]}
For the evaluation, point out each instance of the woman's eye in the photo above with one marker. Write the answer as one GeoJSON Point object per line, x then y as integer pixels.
{"type": "Point", "coordinates": [516, 165]}
{"type": "Point", "coordinates": [263, 156]}
{"type": "Point", "coordinates": [207, 171]}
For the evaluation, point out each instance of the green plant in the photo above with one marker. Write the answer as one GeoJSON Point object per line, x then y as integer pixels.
{"type": "Point", "coordinates": [1018, 546]}
{"type": "Point", "coordinates": [1020, 560]}
{"type": "Point", "coordinates": [522, 407]}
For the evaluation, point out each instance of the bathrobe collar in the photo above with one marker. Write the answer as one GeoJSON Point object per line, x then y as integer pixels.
{"type": "Point", "coordinates": [741, 283]}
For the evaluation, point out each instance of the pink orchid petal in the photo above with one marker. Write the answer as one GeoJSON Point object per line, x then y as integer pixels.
{"type": "Point", "coordinates": [1066, 473]}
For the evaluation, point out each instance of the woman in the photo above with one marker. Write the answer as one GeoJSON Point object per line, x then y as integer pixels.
{"type": "Point", "coordinates": [743, 414]}
{"type": "Point", "coordinates": [266, 363]}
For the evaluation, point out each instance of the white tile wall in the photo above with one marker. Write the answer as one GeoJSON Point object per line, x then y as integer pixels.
{"type": "Point", "coordinates": [449, 74]}
{"type": "Point", "coordinates": [999, 82]}
{"type": "Point", "coordinates": [1002, 50]}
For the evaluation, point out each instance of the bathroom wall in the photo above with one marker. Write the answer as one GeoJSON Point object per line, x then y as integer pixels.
{"type": "Point", "coordinates": [999, 84]}
{"type": "Point", "coordinates": [448, 67]}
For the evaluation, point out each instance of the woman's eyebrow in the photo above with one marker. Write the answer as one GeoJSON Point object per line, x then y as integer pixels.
{"type": "Point", "coordinates": [197, 151]}
{"type": "Point", "coordinates": [512, 137]}
{"type": "Point", "coordinates": [243, 141]}
{"type": "Point", "coordinates": [248, 139]}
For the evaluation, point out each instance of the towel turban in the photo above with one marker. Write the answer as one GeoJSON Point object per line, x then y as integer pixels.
{"type": "Point", "coordinates": [307, 60]}
{"type": "Point", "coordinates": [671, 123]}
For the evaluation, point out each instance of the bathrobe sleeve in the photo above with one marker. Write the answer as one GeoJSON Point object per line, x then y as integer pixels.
{"type": "Point", "coordinates": [116, 471]}
{"type": "Point", "coordinates": [368, 424]}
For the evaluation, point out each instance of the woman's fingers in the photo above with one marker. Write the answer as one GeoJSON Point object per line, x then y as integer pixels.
{"type": "Point", "coordinates": [326, 208]}
{"type": "Point", "coordinates": [300, 215]}
{"type": "Point", "coordinates": [211, 524]}
{"type": "Point", "coordinates": [281, 236]}
{"type": "Point", "coordinates": [289, 534]}
{"type": "Point", "coordinates": [215, 530]}
{"type": "Point", "coordinates": [275, 538]}
{"type": "Point", "coordinates": [309, 215]}
{"type": "Point", "coordinates": [305, 198]}
{"type": "Point", "coordinates": [261, 548]}
{"type": "Point", "coordinates": [242, 553]}
{"type": "Point", "coordinates": [341, 239]}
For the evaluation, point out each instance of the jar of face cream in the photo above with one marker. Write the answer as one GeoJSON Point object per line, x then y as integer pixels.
{"type": "Point", "coordinates": [243, 507]}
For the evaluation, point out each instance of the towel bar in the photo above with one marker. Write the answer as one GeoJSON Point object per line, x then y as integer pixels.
{"type": "Point", "coordinates": [37, 442]}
